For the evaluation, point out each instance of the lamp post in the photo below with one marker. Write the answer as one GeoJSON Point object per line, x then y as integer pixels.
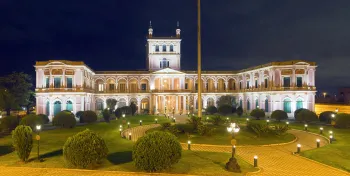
{"type": "Point", "coordinates": [38, 128]}
{"type": "Point", "coordinates": [174, 120]}
{"type": "Point", "coordinates": [318, 143]}
{"type": "Point", "coordinates": [267, 122]}
{"type": "Point", "coordinates": [305, 127]}
{"type": "Point", "coordinates": [0, 118]}
{"type": "Point", "coordinates": [128, 124]}
{"type": "Point", "coordinates": [140, 122]}
{"type": "Point", "coordinates": [189, 145]}
{"type": "Point", "coordinates": [287, 123]}
{"type": "Point", "coordinates": [330, 139]}
{"type": "Point", "coordinates": [120, 131]}
{"type": "Point", "coordinates": [255, 161]}
{"type": "Point", "coordinates": [156, 121]}
{"type": "Point", "coordinates": [233, 128]}
{"type": "Point", "coordinates": [298, 148]}
{"type": "Point", "coordinates": [321, 130]}
{"type": "Point", "coordinates": [129, 136]}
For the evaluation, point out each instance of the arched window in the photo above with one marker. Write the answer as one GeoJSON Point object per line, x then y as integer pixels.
{"type": "Point", "coordinates": [287, 105]}
{"type": "Point", "coordinates": [241, 103]}
{"type": "Point", "coordinates": [299, 104]}
{"type": "Point", "coordinates": [256, 103]}
{"type": "Point", "coordinates": [47, 111]}
{"type": "Point", "coordinates": [99, 104]}
{"type": "Point", "coordinates": [164, 63]}
{"type": "Point", "coordinates": [248, 105]}
{"type": "Point", "coordinates": [157, 48]}
{"type": "Point", "coordinates": [164, 48]}
{"type": "Point", "coordinates": [266, 105]}
{"type": "Point", "coordinates": [171, 48]}
{"type": "Point", "coordinates": [69, 106]}
{"type": "Point", "coordinates": [57, 107]}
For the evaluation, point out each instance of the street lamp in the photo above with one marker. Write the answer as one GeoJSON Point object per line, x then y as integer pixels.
{"type": "Point", "coordinates": [38, 128]}
{"type": "Point", "coordinates": [233, 128]}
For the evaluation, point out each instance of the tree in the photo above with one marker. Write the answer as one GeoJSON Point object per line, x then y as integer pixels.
{"type": "Point", "coordinates": [257, 113]}
{"type": "Point", "coordinates": [16, 89]}
{"type": "Point", "coordinates": [279, 115]}
{"type": "Point", "coordinates": [211, 110]}
{"type": "Point", "coordinates": [111, 104]}
{"type": "Point", "coordinates": [133, 108]}
{"type": "Point", "coordinates": [239, 111]}
{"type": "Point", "coordinates": [227, 100]}
{"type": "Point", "coordinates": [31, 102]}
{"type": "Point", "coordinates": [306, 116]}
{"type": "Point", "coordinates": [225, 109]}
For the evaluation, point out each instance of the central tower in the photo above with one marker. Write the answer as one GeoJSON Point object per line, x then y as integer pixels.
{"type": "Point", "coordinates": [163, 52]}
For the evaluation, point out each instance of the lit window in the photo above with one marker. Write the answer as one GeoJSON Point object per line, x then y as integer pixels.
{"type": "Point", "coordinates": [47, 82]}
{"type": "Point", "coordinates": [57, 82]}
{"type": "Point", "coordinates": [100, 87]}
{"type": "Point", "coordinates": [164, 48]}
{"type": "Point", "coordinates": [171, 48]}
{"type": "Point", "coordinates": [157, 48]}
{"type": "Point", "coordinates": [69, 83]}
{"type": "Point", "coordinates": [266, 82]}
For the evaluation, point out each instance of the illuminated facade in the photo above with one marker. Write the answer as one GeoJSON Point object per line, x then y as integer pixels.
{"type": "Point", "coordinates": [165, 88]}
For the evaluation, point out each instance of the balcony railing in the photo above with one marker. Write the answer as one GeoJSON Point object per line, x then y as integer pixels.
{"type": "Point", "coordinates": [64, 90]}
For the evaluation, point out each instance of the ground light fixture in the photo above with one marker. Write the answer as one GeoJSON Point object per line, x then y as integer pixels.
{"type": "Point", "coordinates": [174, 120]}
{"type": "Point", "coordinates": [38, 129]}
{"type": "Point", "coordinates": [332, 115]}
{"type": "Point", "coordinates": [318, 143]}
{"type": "Point", "coordinates": [128, 124]}
{"type": "Point", "coordinates": [298, 148]}
{"type": "Point", "coordinates": [120, 131]}
{"type": "Point", "coordinates": [255, 161]}
{"type": "Point", "coordinates": [331, 139]}
{"type": "Point", "coordinates": [305, 127]}
{"type": "Point", "coordinates": [123, 115]}
{"type": "Point", "coordinates": [189, 145]}
{"type": "Point", "coordinates": [321, 130]}
{"type": "Point", "coordinates": [140, 122]}
{"type": "Point", "coordinates": [336, 110]}
{"type": "Point", "coordinates": [247, 119]}
{"type": "Point", "coordinates": [287, 123]}
{"type": "Point", "coordinates": [156, 121]}
{"type": "Point", "coordinates": [129, 136]}
{"type": "Point", "coordinates": [267, 121]}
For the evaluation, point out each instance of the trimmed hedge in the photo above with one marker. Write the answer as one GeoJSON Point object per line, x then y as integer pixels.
{"type": "Point", "coordinates": [22, 141]}
{"type": "Point", "coordinates": [297, 111]}
{"type": "Point", "coordinates": [211, 110]}
{"type": "Point", "coordinates": [156, 151]}
{"type": "Point", "coordinates": [9, 123]}
{"type": "Point", "coordinates": [239, 111]}
{"type": "Point", "coordinates": [306, 115]}
{"type": "Point", "coordinates": [279, 115]}
{"type": "Point", "coordinates": [64, 119]}
{"type": "Point", "coordinates": [85, 150]}
{"type": "Point", "coordinates": [44, 118]}
{"type": "Point", "coordinates": [258, 113]}
{"type": "Point", "coordinates": [225, 109]}
{"type": "Point", "coordinates": [342, 120]}
{"type": "Point", "coordinates": [89, 117]}
{"type": "Point", "coordinates": [31, 120]}
{"type": "Point", "coordinates": [326, 116]}
{"type": "Point", "coordinates": [106, 115]}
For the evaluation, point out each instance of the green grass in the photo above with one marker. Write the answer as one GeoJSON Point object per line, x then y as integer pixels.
{"type": "Point", "coordinates": [120, 154]}
{"type": "Point", "coordinates": [336, 154]}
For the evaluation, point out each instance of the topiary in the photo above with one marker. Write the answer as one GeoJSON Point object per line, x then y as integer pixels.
{"type": "Point", "coordinates": [133, 108]}
{"type": "Point", "coordinates": [79, 114]}
{"type": "Point", "coordinates": [118, 113]}
{"type": "Point", "coordinates": [44, 118]}
{"type": "Point", "coordinates": [205, 130]}
{"type": "Point", "coordinates": [225, 109]}
{"type": "Point", "coordinates": [279, 115]}
{"type": "Point", "coordinates": [31, 120]}
{"type": "Point", "coordinates": [342, 120]}
{"type": "Point", "coordinates": [217, 120]}
{"type": "Point", "coordinates": [258, 113]}
{"type": "Point", "coordinates": [156, 151]}
{"type": "Point", "coordinates": [8, 123]}
{"type": "Point", "coordinates": [106, 115]}
{"type": "Point", "coordinates": [326, 116]}
{"type": "Point", "coordinates": [211, 110]}
{"type": "Point", "coordinates": [195, 121]}
{"type": "Point", "coordinates": [306, 115]}
{"type": "Point", "coordinates": [22, 141]}
{"type": "Point", "coordinates": [64, 119]}
{"type": "Point", "coordinates": [84, 150]}
{"type": "Point", "coordinates": [89, 117]}
{"type": "Point", "coordinates": [239, 111]}
{"type": "Point", "coordinates": [297, 111]}
{"type": "Point", "coordinates": [258, 128]}
{"type": "Point", "coordinates": [126, 110]}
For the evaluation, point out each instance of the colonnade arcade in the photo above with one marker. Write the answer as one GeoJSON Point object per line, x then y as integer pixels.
{"type": "Point", "coordinates": [142, 102]}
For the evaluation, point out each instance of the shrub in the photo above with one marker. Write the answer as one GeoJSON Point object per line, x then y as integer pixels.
{"type": "Point", "coordinates": [106, 115]}
{"type": "Point", "coordinates": [342, 120]}
{"type": "Point", "coordinates": [9, 122]}
{"type": "Point", "coordinates": [84, 149]}
{"type": "Point", "coordinates": [173, 130]}
{"type": "Point", "coordinates": [211, 110]}
{"type": "Point", "coordinates": [279, 130]}
{"type": "Point", "coordinates": [258, 128]}
{"type": "Point", "coordinates": [326, 116]}
{"type": "Point", "coordinates": [297, 111]}
{"type": "Point", "coordinates": [306, 115]}
{"type": "Point", "coordinates": [31, 120]}
{"type": "Point", "coordinates": [118, 113]}
{"type": "Point", "coordinates": [279, 115]}
{"type": "Point", "coordinates": [225, 109]}
{"type": "Point", "coordinates": [156, 151]}
{"type": "Point", "coordinates": [79, 114]}
{"type": "Point", "coordinates": [133, 108]}
{"type": "Point", "coordinates": [64, 119]}
{"type": "Point", "coordinates": [239, 111]}
{"type": "Point", "coordinates": [126, 110]}
{"type": "Point", "coordinates": [89, 117]}
{"type": "Point", "coordinates": [217, 120]}
{"type": "Point", "coordinates": [44, 118]}
{"type": "Point", "coordinates": [165, 125]}
{"type": "Point", "coordinates": [205, 130]}
{"type": "Point", "coordinates": [22, 141]}
{"type": "Point", "coordinates": [257, 113]}
{"type": "Point", "coordinates": [195, 121]}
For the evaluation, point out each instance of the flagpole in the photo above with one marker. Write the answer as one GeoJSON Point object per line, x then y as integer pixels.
{"type": "Point", "coordinates": [199, 62]}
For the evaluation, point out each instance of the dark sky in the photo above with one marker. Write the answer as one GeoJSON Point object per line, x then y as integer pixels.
{"type": "Point", "coordinates": [110, 34]}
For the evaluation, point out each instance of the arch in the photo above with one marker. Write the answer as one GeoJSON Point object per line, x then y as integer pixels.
{"type": "Point", "coordinates": [248, 105]}
{"type": "Point", "coordinates": [57, 107]}
{"type": "Point", "coordinates": [133, 85]}
{"type": "Point", "coordinates": [221, 85]}
{"type": "Point", "coordinates": [210, 84]}
{"type": "Point", "coordinates": [287, 105]}
{"type": "Point", "coordinates": [99, 104]}
{"type": "Point", "coordinates": [47, 108]}
{"type": "Point", "coordinates": [121, 102]}
{"type": "Point", "coordinates": [256, 103]}
{"type": "Point", "coordinates": [164, 63]}
{"type": "Point", "coordinates": [122, 85]}
{"type": "Point", "coordinates": [232, 84]}
{"type": "Point", "coordinates": [164, 48]}
{"type": "Point", "coordinates": [145, 104]}
{"type": "Point", "coordinates": [99, 85]}
{"type": "Point", "coordinates": [266, 105]}
{"type": "Point", "coordinates": [210, 102]}
{"type": "Point", "coordinates": [134, 100]}
{"type": "Point", "coordinates": [69, 105]}
{"type": "Point", "coordinates": [299, 104]}
{"type": "Point", "coordinates": [241, 103]}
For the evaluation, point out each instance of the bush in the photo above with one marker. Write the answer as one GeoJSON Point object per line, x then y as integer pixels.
{"type": "Point", "coordinates": [297, 111]}
{"type": "Point", "coordinates": [126, 110]}
{"type": "Point", "coordinates": [31, 120]}
{"type": "Point", "coordinates": [173, 130]}
{"type": "Point", "coordinates": [89, 117]}
{"type": "Point", "coordinates": [84, 149]}
{"type": "Point", "coordinates": [205, 130]}
{"type": "Point", "coordinates": [225, 109]}
{"type": "Point", "coordinates": [326, 117]}
{"type": "Point", "coordinates": [211, 110]}
{"type": "Point", "coordinates": [258, 128]}
{"type": "Point", "coordinates": [165, 125]}
{"type": "Point", "coordinates": [118, 113]}
{"type": "Point", "coordinates": [279, 115]}
{"type": "Point", "coordinates": [133, 108]}
{"type": "Point", "coordinates": [306, 116]}
{"type": "Point", "coordinates": [342, 120]}
{"type": "Point", "coordinates": [279, 130]}
{"type": "Point", "coordinates": [79, 114]}
{"type": "Point", "coordinates": [64, 119]}
{"type": "Point", "coordinates": [258, 113]}
{"type": "Point", "coordinates": [239, 111]}
{"type": "Point", "coordinates": [9, 123]}
{"type": "Point", "coordinates": [22, 141]}
{"type": "Point", "coordinates": [44, 118]}
{"type": "Point", "coordinates": [156, 151]}
{"type": "Point", "coordinates": [106, 115]}
{"type": "Point", "coordinates": [195, 121]}
{"type": "Point", "coordinates": [217, 120]}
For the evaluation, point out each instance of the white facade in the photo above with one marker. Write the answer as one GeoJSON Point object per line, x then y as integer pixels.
{"type": "Point", "coordinates": [164, 88]}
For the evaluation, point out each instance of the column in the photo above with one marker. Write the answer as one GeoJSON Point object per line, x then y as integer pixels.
{"type": "Point", "coordinates": [163, 108]}
{"type": "Point", "coordinates": [82, 106]}
{"type": "Point", "coordinates": [226, 86]}
{"type": "Point", "coordinates": [138, 106]}
{"type": "Point", "coordinates": [177, 104]}
{"type": "Point", "coordinates": [172, 84]}
{"type": "Point", "coordinates": [104, 87]}
{"type": "Point", "coordinates": [51, 110]}
{"type": "Point", "coordinates": [127, 85]}
{"type": "Point", "coordinates": [184, 104]}
{"type": "Point", "coordinates": [161, 83]}
{"type": "Point", "coordinates": [156, 111]}
{"type": "Point", "coordinates": [293, 78]}
{"type": "Point", "coordinates": [64, 78]}
{"type": "Point", "coordinates": [50, 79]}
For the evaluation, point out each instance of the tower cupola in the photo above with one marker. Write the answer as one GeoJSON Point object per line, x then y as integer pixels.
{"type": "Point", "coordinates": [150, 30]}
{"type": "Point", "coordinates": [178, 30]}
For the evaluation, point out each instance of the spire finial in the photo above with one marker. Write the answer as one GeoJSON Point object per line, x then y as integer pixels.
{"type": "Point", "coordinates": [178, 24]}
{"type": "Point", "coordinates": [150, 24]}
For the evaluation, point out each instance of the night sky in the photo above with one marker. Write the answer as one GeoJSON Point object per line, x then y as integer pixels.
{"type": "Point", "coordinates": [111, 34]}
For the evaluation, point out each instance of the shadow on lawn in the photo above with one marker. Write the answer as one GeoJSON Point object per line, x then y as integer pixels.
{"type": "Point", "coordinates": [51, 154]}
{"type": "Point", "coordinates": [120, 157]}
{"type": "Point", "coordinates": [5, 149]}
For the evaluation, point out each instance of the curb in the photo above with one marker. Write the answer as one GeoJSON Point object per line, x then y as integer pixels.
{"type": "Point", "coordinates": [260, 170]}
{"type": "Point", "coordinates": [327, 139]}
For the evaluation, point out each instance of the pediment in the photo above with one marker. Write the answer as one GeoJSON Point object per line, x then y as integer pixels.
{"type": "Point", "coordinates": [167, 71]}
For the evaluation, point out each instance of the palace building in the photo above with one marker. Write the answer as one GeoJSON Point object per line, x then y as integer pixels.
{"type": "Point", "coordinates": [164, 88]}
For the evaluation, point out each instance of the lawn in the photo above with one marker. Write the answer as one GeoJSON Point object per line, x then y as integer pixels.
{"type": "Point", "coordinates": [119, 157]}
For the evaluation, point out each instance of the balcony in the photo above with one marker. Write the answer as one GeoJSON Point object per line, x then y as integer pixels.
{"type": "Point", "coordinates": [171, 91]}
{"type": "Point", "coordinates": [80, 89]}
